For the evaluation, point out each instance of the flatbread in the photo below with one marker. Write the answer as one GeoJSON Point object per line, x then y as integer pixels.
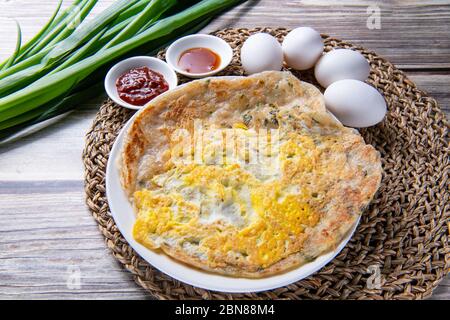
{"type": "Point", "coordinates": [238, 217]}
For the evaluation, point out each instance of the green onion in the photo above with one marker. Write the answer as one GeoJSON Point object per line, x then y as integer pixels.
{"type": "Point", "coordinates": [11, 60]}
{"type": "Point", "coordinates": [61, 67]}
{"type": "Point", "coordinates": [66, 27]}
{"type": "Point", "coordinates": [80, 54]}
{"type": "Point", "coordinates": [150, 14]}
{"type": "Point", "coordinates": [86, 31]}
{"type": "Point", "coordinates": [27, 58]}
{"type": "Point", "coordinates": [38, 36]}
{"type": "Point", "coordinates": [35, 40]}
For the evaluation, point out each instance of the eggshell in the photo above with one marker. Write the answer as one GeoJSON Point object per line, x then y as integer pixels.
{"type": "Point", "coordinates": [261, 52]}
{"type": "Point", "coordinates": [341, 64]}
{"type": "Point", "coordinates": [302, 47]}
{"type": "Point", "coordinates": [355, 103]}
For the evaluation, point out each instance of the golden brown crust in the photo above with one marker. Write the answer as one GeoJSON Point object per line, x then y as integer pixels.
{"type": "Point", "coordinates": [223, 101]}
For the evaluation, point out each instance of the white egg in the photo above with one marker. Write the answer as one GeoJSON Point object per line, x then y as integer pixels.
{"type": "Point", "coordinates": [355, 103]}
{"type": "Point", "coordinates": [341, 64]}
{"type": "Point", "coordinates": [261, 52]}
{"type": "Point", "coordinates": [302, 47]}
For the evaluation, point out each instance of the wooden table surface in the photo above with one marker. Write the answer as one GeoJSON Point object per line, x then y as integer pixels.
{"type": "Point", "coordinates": [48, 237]}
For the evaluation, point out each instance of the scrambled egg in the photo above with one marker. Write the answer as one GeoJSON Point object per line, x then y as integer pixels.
{"type": "Point", "coordinates": [226, 212]}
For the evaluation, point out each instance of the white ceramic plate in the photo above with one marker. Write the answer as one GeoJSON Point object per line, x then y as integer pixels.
{"type": "Point", "coordinates": [124, 217]}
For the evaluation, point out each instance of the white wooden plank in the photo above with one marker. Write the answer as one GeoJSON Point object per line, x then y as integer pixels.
{"type": "Point", "coordinates": [436, 84]}
{"type": "Point", "coordinates": [48, 238]}
{"type": "Point", "coordinates": [53, 153]}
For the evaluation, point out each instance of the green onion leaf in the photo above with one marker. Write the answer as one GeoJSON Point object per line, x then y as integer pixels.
{"type": "Point", "coordinates": [17, 50]}
{"type": "Point", "coordinates": [55, 73]}
{"type": "Point", "coordinates": [151, 13]}
{"type": "Point", "coordinates": [65, 27]}
{"type": "Point", "coordinates": [30, 44]}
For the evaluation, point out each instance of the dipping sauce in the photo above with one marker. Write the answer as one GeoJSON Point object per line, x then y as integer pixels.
{"type": "Point", "coordinates": [199, 60]}
{"type": "Point", "coordinates": [140, 85]}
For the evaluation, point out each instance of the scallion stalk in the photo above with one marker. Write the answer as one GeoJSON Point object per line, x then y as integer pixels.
{"type": "Point", "coordinates": [152, 12]}
{"type": "Point", "coordinates": [74, 62]}
{"type": "Point", "coordinates": [30, 44]}
{"type": "Point", "coordinates": [11, 60]}
{"type": "Point", "coordinates": [65, 28]}
{"type": "Point", "coordinates": [85, 32]}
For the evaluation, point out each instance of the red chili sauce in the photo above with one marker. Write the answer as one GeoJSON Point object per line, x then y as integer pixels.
{"type": "Point", "coordinates": [199, 60]}
{"type": "Point", "coordinates": [140, 85]}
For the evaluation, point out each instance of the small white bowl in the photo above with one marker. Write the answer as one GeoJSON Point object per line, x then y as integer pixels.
{"type": "Point", "coordinates": [135, 62]}
{"type": "Point", "coordinates": [219, 46]}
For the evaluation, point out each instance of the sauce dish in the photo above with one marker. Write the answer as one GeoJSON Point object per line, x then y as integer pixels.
{"type": "Point", "coordinates": [135, 62]}
{"type": "Point", "coordinates": [215, 44]}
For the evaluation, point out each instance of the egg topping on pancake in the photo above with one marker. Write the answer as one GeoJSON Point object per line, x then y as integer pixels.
{"type": "Point", "coordinates": [230, 212]}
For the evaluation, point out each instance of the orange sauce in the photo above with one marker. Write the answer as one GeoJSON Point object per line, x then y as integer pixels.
{"type": "Point", "coordinates": [199, 60]}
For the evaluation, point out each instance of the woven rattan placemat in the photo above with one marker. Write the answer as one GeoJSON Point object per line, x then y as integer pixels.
{"type": "Point", "coordinates": [403, 234]}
